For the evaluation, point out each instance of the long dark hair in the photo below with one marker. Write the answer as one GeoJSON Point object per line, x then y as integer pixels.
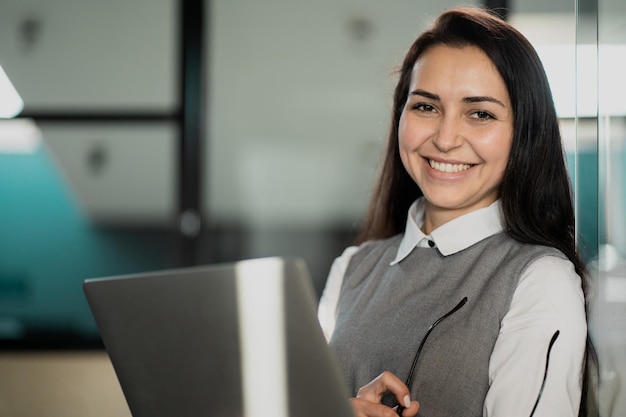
{"type": "Point", "coordinates": [535, 192]}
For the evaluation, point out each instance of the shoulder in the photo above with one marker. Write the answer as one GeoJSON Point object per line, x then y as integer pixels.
{"type": "Point", "coordinates": [552, 272]}
{"type": "Point", "coordinates": [356, 255]}
{"type": "Point", "coordinates": [377, 247]}
{"type": "Point", "coordinates": [551, 266]}
{"type": "Point", "coordinates": [549, 275]}
{"type": "Point", "coordinates": [327, 307]}
{"type": "Point", "coordinates": [550, 284]}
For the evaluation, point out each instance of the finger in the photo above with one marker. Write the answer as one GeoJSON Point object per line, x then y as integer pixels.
{"type": "Point", "coordinates": [364, 408]}
{"type": "Point", "coordinates": [383, 383]}
{"type": "Point", "coordinates": [412, 410]}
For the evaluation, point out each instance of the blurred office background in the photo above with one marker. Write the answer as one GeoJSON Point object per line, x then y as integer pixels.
{"type": "Point", "coordinates": [166, 133]}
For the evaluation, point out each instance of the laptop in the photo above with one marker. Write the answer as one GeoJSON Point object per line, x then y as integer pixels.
{"type": "Point", "coordinates": [236, 339]}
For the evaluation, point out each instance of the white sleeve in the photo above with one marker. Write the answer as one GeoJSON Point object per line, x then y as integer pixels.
{"type": "Point", "coordinates": [548, 298]}
{"type": "Point", "coordinates": [327, 307]}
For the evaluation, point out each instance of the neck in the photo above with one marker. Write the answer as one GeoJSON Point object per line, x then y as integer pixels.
{"type": "Point", "coordinates": [435, 216]}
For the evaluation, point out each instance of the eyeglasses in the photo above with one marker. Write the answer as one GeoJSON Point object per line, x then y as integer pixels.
{"type": "Point", "coordinates": [409, 379]}
{"type": "Point", "coordinates": [545, 373]}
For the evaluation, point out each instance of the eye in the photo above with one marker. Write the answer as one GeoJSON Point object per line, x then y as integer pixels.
{"type": "Point", "coordinates": [481, 115]}
{"type": "Point", "coordinates": [424, 107]}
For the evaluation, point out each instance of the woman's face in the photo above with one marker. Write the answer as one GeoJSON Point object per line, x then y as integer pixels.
{"type": "Point", "coordinates": [455, 131]}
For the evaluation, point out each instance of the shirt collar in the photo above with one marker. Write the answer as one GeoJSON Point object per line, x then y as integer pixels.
{"type": "Point", "coordinates": [452, 237]}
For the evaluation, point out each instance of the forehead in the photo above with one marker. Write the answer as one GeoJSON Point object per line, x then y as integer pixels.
{"type": "Point", "coordinates": [459, 66]}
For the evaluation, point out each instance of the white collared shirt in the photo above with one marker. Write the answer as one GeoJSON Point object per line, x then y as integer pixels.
{"type": "Point", "coordinates": [548, 297]}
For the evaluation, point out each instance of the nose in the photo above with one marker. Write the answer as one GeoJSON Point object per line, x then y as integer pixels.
{"type": "Point", "coordinates": [448, 135]}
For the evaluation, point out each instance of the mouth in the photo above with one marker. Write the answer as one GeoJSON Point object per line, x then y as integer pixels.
{"type": "Point", "coordinates": [447, 167]}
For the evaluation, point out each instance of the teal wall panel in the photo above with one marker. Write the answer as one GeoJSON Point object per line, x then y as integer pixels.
{"type": "Point", "coordinates": [48, 247]}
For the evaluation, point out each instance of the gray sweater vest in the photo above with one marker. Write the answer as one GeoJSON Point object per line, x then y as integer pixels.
{"type": "Point", "coordinates": [384, 312]}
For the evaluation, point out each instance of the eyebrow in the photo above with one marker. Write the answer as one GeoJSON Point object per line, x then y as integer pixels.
{"type": "Point", "coordinates": [473, 99]}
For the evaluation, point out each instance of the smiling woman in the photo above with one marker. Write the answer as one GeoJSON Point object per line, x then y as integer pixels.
{"type": "Point", "coordinates": [473, 204]}
{"type": "Point", "coordinates": [455, 131]}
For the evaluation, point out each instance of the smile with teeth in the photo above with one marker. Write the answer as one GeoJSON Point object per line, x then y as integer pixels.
{"type": "Point", "coordinates": [446, 167]}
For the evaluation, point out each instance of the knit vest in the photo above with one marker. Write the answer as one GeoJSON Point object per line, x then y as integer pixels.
{"type": "Point", "coordinates": [385, 310]}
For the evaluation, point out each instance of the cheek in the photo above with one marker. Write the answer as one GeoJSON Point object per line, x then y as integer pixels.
{"type": "Point", "coordinates": [500, 152]}
{"type": "Point", "coordinates": [406, 134]}
{"type": "Point", "coordinates": [401, 130]}
{"type": "Point", "coordinates": [405, 141]}
{"type": "Point", "coordinates": [496, 146]}
{"type": "Point", "coordinates": [402, 147]}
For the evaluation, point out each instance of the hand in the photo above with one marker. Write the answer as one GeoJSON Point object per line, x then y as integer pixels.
{"type": "Point", "coordinates": [367, 402]}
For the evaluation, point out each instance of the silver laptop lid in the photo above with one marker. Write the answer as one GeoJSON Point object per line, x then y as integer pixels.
{"type": "Point", "coordinates": [239, 339]}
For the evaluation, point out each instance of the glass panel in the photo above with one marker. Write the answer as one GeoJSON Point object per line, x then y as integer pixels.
{"type": "Point", "coordinates": [610, 313]}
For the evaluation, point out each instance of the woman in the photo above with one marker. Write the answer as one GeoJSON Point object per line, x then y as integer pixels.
{"type": "Point", "coordinates": [465, 296]}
